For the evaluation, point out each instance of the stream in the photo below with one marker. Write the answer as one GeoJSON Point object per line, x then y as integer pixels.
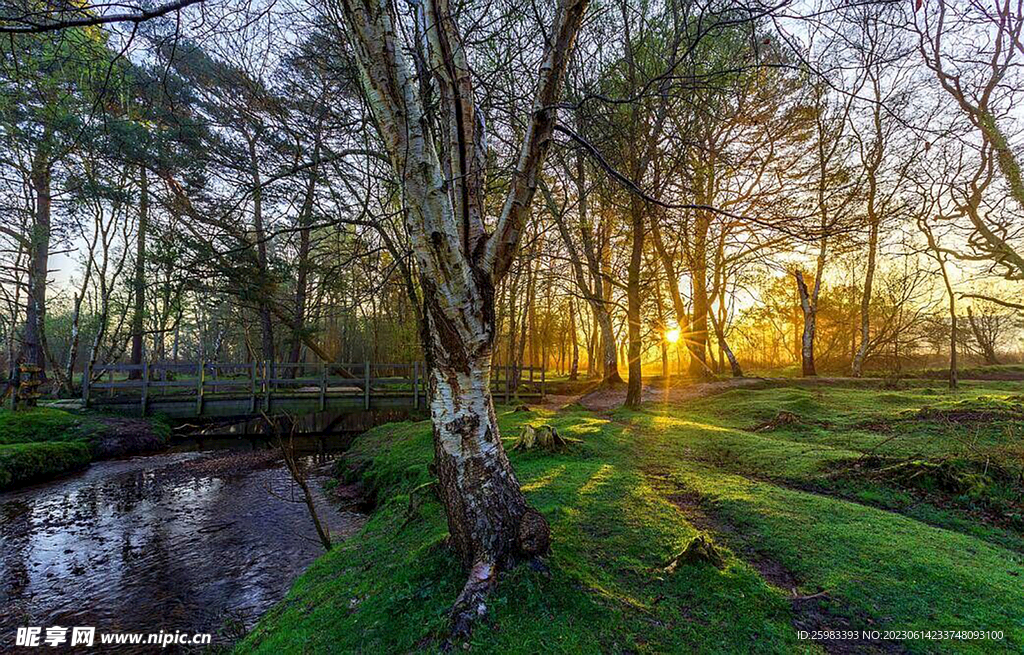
{"type": "Point", "coordinates": [200, 541]}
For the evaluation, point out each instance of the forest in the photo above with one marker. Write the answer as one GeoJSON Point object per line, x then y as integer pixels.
{"type": "Point", "coordinates": [680, 304]}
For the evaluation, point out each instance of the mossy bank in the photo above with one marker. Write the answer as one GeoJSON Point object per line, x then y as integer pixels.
{"type": "Point", "coordinates": [43, 443]}
{"type": "Point", "coordinates": [807, 539]}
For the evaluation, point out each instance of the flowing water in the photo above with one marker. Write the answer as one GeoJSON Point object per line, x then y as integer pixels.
{"type": "Point", "coordinates": [181, 541]}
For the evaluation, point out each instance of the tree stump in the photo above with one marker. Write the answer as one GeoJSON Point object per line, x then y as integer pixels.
{"type": "Point", "coordinates": [545, 437]}
{"type": "Point", "coordinates": [700, 549]}
{"type": "Point", "coordinates": [782, 419]}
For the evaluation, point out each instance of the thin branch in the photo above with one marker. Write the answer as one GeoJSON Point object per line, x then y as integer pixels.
{"type": "Point", "coordinates": [29, 27]}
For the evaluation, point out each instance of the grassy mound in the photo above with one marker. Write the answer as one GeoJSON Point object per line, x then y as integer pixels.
{"type": "Point", "coordinates": [43, 442]}
{"type": "Point", "coordinates": [24, 463]}
{"type": "Point", "coordinates": [41, 424]}
{"type": "Point", "coordinates": [798, 549]}
{"type": "Point", "coordinates": [389, 589]}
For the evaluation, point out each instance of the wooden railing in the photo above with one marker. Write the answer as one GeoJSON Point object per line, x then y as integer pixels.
{"type": "Point", "coordinates": [260, 382]}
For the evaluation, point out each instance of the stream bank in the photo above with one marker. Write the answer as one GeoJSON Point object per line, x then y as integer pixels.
{"type": "Point", "coordinates": [43, 443]}
{"type": "Point", "coordinates": [195, 541]}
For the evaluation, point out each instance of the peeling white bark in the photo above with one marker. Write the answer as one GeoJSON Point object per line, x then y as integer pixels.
{"type": "Point", "coordinates": [458, 264]}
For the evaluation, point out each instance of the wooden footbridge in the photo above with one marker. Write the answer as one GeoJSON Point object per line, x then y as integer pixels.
{"type": "Point", "coordinates": [217, 390]}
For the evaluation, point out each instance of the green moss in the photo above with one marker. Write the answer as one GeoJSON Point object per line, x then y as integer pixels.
{"type": "Point", "coordinates": [41, 424]}
{"type": "Point", "coordinates": [389, 588]}
{"type": "Point", "coordinates": [23, 463]}
{"type": "Point", "coordinates": [884, 558]}
{"type": "Point", "coordinates": [878, 568]}
{"type": "Point", "coordinates": [44, 442]}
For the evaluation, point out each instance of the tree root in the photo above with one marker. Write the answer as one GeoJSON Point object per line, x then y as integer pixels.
{"type": "Point", "coordinates": [471, 604]}
{"type": "Point", "coordinates": [533, 540]}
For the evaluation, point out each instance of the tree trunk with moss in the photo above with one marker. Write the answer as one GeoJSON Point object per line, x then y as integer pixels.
{"type": "Point", "coordinates": [459, 262]}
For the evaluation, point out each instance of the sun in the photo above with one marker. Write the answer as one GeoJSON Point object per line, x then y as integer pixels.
{"type": "Point", "coordinates": [672, 335]}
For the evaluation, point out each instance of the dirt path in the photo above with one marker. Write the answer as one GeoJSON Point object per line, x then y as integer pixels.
{"type": "Point", "coordinates": [811, 613]}
{"type": "Point", "coordinates": [602, 400]}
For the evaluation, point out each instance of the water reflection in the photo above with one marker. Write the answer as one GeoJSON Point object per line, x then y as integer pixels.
{"type": "Point", "coordinates": [159, 542]}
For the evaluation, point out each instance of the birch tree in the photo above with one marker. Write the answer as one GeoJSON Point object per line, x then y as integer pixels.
{"type": "Point", "coordinates": [459, 259]}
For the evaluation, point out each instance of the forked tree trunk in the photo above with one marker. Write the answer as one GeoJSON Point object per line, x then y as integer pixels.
{"type": "Point", "coordinates": [477, 483]}
{"type": "Point", "coordinates": [734, 364]}
{"type": "Point", "coordinates": [459, 263]}
{"type": "Point", "coordinates": [671, 276]}
{"type": "Point", "coordinates": [488, 520]}
{"type": "Point", "coordinates": [988, 350]}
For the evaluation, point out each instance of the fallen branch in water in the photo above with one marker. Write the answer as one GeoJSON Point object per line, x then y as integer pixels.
{"type": "Point", "coordinates": [299, 476]}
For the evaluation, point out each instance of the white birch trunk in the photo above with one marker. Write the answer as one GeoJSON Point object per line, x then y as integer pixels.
{"type": "Point", "coordinates": [459, 266]}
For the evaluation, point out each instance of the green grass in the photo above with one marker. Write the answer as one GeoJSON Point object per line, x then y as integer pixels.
{"type": "Point", "coordinates": [885, 556]}
{"type": "Point", "coordinates": [40, 424]}
{"type": "Point", "coordinates": [981, 371]}
{"type": "Point", "coordinates": [23, 463]}
{"type": "Point", "coordinates": [44, 442]}
{"type": "Point", "coordinates": [837, 426]}
{"type": "Point", "coordinates": [41, 443]}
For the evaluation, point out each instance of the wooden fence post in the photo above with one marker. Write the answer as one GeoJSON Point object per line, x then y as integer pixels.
{"type": "Point", "coordinates": [542, 384]}
{"type": "Point", "coordinates": [366, 389]}
{"type": "Point", "coordinates": [110, 382]}
{"type": "Point", "coordinates": [199, 387]}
